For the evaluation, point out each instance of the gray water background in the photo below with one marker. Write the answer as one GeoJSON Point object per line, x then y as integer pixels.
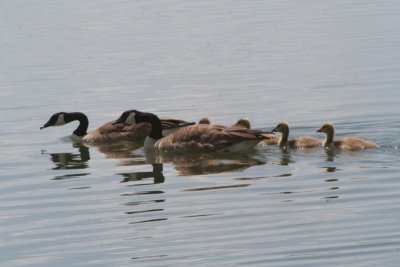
{"type": "Point", "coordinates": [305, 62]}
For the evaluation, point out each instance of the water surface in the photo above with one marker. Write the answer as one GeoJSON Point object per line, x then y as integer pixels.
{"type": "Point", "coordinates": [305, 62]}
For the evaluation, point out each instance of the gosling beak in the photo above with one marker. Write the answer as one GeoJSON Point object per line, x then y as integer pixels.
{"type": "Point", "coordinates": [319, 130]}
{"type": "Point", "coordinates": [274, 130]}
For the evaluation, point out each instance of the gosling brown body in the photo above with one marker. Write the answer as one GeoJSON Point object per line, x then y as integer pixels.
{"type": "Point", "coordinates": [298, 142]}
{"type": "Point", "coordinates": [348, 143]}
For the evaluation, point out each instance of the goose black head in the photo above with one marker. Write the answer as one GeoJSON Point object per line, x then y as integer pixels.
{"type": "Point", "coordinates": [128, 117]}
{"type": "Point", "coordinates": [56, 119]}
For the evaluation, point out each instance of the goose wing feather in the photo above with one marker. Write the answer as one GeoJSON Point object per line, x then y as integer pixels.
{"type": "Point", "coordinates": [169, 123]}
{"type": "Point", "coordinates": [205, 138]}
{"type": "Point", "coordinates": [110, 132]}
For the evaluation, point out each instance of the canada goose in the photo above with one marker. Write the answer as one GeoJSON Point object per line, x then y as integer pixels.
{"type": "Point", "coordinates": [299, 142]}
{"type": "Point", "coordinates": [194, 138]}
{"type": "Point", "coordinates": [349, 143]}
{"type": "Point", "coordinates": [110, 131]}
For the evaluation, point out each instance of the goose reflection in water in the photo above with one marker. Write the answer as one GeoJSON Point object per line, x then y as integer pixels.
{"type": "Point", "coordinates": [216, 165]}
{"type": "Point", "coordinates": [119, 150]}
{"type": "Point", "coordinates": [68, 161]}
{"type": "Point", "coordinates": [156, 174]}
{"type": "Point", "coordinates": [198, 163]}
{"type": "Point", "coordinates": [79, 160]}
{"type": "Point", "coordinates": [330, 154]}
{"type": "Point", "coordinates": [286, 157]}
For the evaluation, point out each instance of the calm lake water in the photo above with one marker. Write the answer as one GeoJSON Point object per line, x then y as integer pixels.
{"type": "Point", "coordinates": [304, 61]}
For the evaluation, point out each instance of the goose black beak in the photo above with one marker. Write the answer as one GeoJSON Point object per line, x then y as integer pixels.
{"type": "Point", "coordinates": [319, 130]}
{"type": "Point", "coordinates": [274, 130]}
{"type": "Point", "coordinates": [118, 121]}
{"type": "Point", "coordinates": [45, 126]}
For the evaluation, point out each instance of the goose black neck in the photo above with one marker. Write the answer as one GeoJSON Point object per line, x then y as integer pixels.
{"type": "Point", "coordinates": [156, 129]}
{"type": "Point", "coordinates": [83, 122]}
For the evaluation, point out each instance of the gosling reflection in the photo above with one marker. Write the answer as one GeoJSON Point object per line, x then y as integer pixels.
{"type": "Point", "coordinates": [330, 154]}
{"type": "Point", "coordinates": [286, 157]}
{"type": "Point", "coordinates": [331, 169]}
{"type": "Point", "coordinates": [71, 161]}
{"type": "Point", "coordinates": [156, 174]}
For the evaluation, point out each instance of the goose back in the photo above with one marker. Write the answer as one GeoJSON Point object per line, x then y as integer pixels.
{"type": "Point", "coordinates": [110, 132]}
{"type": "Point", "coordinates": [209, 138]}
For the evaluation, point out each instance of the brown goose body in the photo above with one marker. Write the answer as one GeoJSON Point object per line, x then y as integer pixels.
{"type": "Point", "coordinates": [348, 143]}
{"type": "Point", "coordinates": [110, 132]}
{"type": "Point", "coordinates": [298, 142]}
{"type": "Point", "coordinates": [209, 138]}
{"type": "Point", "coordinates": [194, 138]}
{"type": "Point", "coordinates": [170, 125]}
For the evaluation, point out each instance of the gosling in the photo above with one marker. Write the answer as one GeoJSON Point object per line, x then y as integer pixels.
{"type": "Point", "coordinates": [243, 123]}
{"type": "Point", "coordinates": [349, 143]}
{"type": "Point", "coordinates": [299, 142]}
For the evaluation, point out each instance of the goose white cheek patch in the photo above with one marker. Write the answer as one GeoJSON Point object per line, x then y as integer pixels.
{"type": "Point", "coordinates": [131, 118]}
{"type": "Point", "coordinates": [60, 120]}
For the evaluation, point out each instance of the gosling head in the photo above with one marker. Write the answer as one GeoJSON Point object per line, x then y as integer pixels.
{"type": "Point", "coordinates": [56, 119]}
{"type": "Point", "coordinates": [243, 122]}
{"type": "Point", "coordinates": [327, 128]}
{"type": "Point", "coordinates": [281, 127]}
{"type": "Point", "coordinates": [204, 120]}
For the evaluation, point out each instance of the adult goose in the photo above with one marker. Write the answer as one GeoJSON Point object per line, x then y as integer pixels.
{"type": "Point", "coordinates": [348, 143]}
{"type": "Point", "coordinates": [194, 138]}
{"type": "Point", "coordinates": [110, 132]}
{"type": "Point", "coordinates": [299, 142]}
